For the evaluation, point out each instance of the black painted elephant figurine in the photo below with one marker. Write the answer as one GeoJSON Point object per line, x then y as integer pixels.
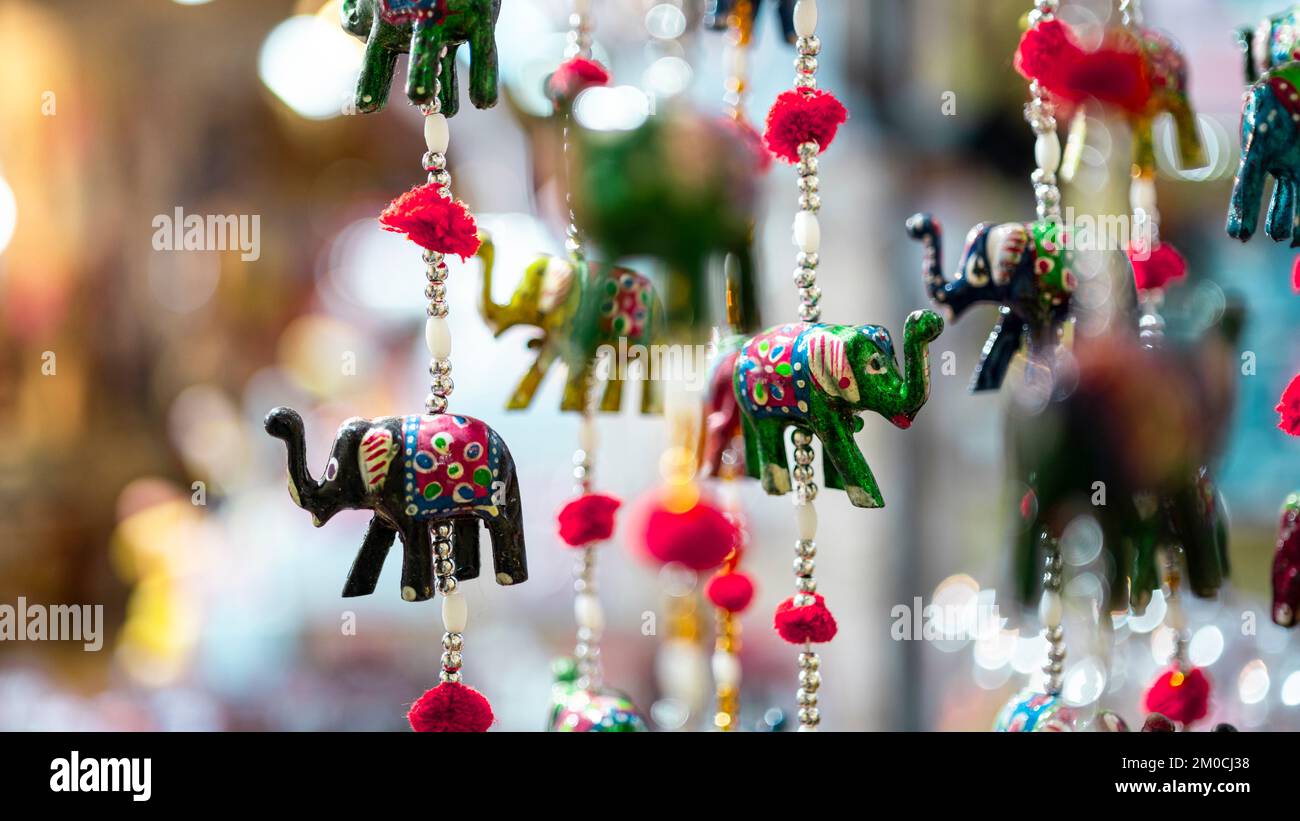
{"type": "Point", "coordinates": [1130, 446]}
{"type": "Point", "coordinates": [716, 13]}
{"type": "Point", "coordinates": [414, 472]}
{"type": "Point", "coordinates": [818, 377]}
{"type": "Point", "coordinates": [1024, 268]}
{"type": "Point", "coordinates": [1270, 146]}
{"type": "Point", "coordinates": [424, 28]}
{"type": "Point", "coordinates": [1275, 41]}
{"type": "Point", "coordinates": [579, 307]}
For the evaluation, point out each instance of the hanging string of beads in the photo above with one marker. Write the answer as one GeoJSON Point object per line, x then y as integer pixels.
{"type": "Point", "coordinates": [437, 334]}
{"type": "Point", "coordinates": [1041, 116]}
{"type": "Point", "coordinates": [1182, 693]}
{"type": "Point", "coordinates": [1051, 613]}
{"type": "Point", "coordinates": [800, 126]}
{"type": "Point", "coordinates": [731, 592]}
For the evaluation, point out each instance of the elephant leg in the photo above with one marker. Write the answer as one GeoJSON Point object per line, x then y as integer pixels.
{"type": "Point", "coordinates": [1196, 531]}
{"type": "Point", "coordinates": [611, 401]}
{"type": "Point", "coordinates": [749, 434]}
{"type": "Point", "coordinates": [506, 530]}
{"type": "Point", "coordinates": [576, 387]}
{"type": "Point", "coordinates": [364, 574]}
{"type": "Point", "coordinates": [1144, 146]}
{"type": "Point", "coordinates": [652, 395]}
{"type": "Point", "coordinates": [422, 70]}
{"type": "Point", "coordinates": [770, 455]}
{"type": "Point", "coordinates": [376, 77]}
{"type": "Point", "coordinates": [1281, 209]}
{"type": "Point", "coordinates": [449, 86]}
{"type": "Point", "coordinates": [1248, 186]}
{"type": "Point", "coordinates": [999, 350]}
{"type": "Point", "coordinates": [483, 66]}
{"type": "Point", "coordinates": [1191, 150]}
{"type": "Point", "coordinates": [465, 548]}
{"type": "Point", "coordinates": [417, 562]}
{"type": "Point", "coordinates": [840, 450]}
{"type": "Point", "coordinates": [532, 378]}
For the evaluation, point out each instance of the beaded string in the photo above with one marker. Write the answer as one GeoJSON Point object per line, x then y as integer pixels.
{"type": "Point", "coordinates": [740, 33]}
{"type": "Point", "coordinates": [726, 648]}
{"type": "Point", "coordinates": [1051, 612]}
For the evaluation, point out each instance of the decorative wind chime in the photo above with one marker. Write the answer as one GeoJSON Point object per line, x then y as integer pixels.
{"type": "Point", "coordinates": [811, 376]}
{"type": "Point", "coordinates": [430, 478]}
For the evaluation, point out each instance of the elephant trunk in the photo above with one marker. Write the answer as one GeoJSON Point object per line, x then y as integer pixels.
{"type": "Point", "coordinates": [921, 328]}
{"type": "Point", "coordinates": [1246, 42]}
{"type": "Point", "coordinates": [926, 228]}
{"type": "Point", "coordinates": [285, 424]}
{"type": "Point", "coordinates": [493, 312]}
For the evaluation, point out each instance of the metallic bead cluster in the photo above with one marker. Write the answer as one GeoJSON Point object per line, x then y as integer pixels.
{"type": "Point", "coordinates": [1041, 116]}
{"type": "Point", "coordinates": [435, 291]}
{"type": "Point", "coordinates": [805, 275]}
{"type": "Point", "coordinates": [1055, 635]}
{"type": "Point", "coordinates": [805, 64]}
{"type": "Point", "coordinates": [578, 41]}
{"type": "Point", "coordinates": [805, 490]}
{"type": "Point", "coordinates": [444, 569]}
{"type": "Point", "coordinates": [1130, 13]}
{"type": "Point", "coordinates": [586, 650]}
{"type": "Point", "coordinates": [728, 641]}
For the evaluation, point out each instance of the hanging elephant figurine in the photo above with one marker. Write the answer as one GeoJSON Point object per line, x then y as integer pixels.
{"type": "Point", "coordinates": [424, 28]}
{"type": "Point", "coordinates": [1131, 446]}
{"type": "Point", "coordinates": [1286, 565]}
{"type": "Point", "coordinates": [583, 310]}
{"type": "Point", "coordinates": [716, 13]}
{"type": "Point", "coordinates": [1275, 41]}
{"type": "Point", "coordinates": [443, 471]}
{"type": "Point", "coordinates": [1270, 146]}
{"type": "Point", "coordinates": [818, 377]}
{"type": "Point", "coordinates": [577, 709]}
{"type": "Point", "coordinates": [1025, 268]}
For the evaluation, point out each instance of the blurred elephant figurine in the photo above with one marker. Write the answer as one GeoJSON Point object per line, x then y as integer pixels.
{"type": "Point", "coordinates": [818, 377]}
{"type": "Point", "coordinates": [414, 472]}
{"type": "Point", "coordinates": [1024, 268]}
{"type": "Point", "coordinates": [1275, 41]}
{"type": "Point", "coordinates": [1270, 146]}
{"type": "Point", "coordinates": [1286, 565]}
{"type": "Point", "coordinates": [579, 307]}
{"type": "Point", "coordinates": [1130, 446]}
{"type": "Point", "coordinates": [432, 31]}
{"type": "Point", "coordinates": [718, 12]}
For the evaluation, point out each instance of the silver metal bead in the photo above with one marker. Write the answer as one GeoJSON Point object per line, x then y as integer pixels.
{"type": "Point", "coordinates": [806, 585]}
{"type": "Point", "coordinates": [453, 641]}
{"type": "Point", "coordinates": [435, 290]}
{"type": "Point", "coordinates": [809, 661]}
{"type": "Point", "coordinates": [809, 313]}
{"type": "Point", "coordinates": [810, 680]}
{"type": "Point", "coordinates": [808, 45]}
{"type": "Point", "coordinates": [804, 567]}
{"type": "Point", "coordinates": [802, 473]}
{"type": "Point", "coordinates": [806, 167]}
{"type": "Point", "coordinates": [449, 677]}
{"type": "Point", "coordinates": [439, 367]}
{"type": "Point", "coordinates": [451, 660]}
{"type": "Point", "coordinates": [435, 404]}
{"type": "Point", "coordinates": [810, 716]}
{"type": "Point", "coordinates": [804, 455]}
{"type": "Point", "coordinates": [805, 493]}
{"type": "Point", "coordinates": [806, 698]}
{"type": "Point", "coordinates": [442, 384]}
{"type": "Point", "coordinates": [440, 178]}
{"type": "Point", "coordinates": [434, 162]}
{"type": "Point", "coordinates": [805, 64]}
{"type": "Point", "coordinates": [806, 548]}
{"type": "Point", "coordinates": [805, 80]}
{"type": "Point", "coordinates": [810, 202]}
{"type": "Point", "coordinates": [803, 600]}
{"type": "Point", "coordinates": [809, 183]}
{"type": "Point", "coordinates": [810, 295]}
{"type": "Point", "coordinates": [448, 585]}
{"type": "Point", "coordinates": [809, 149]}
{"type": "Point", "coordinates": [802, 436]}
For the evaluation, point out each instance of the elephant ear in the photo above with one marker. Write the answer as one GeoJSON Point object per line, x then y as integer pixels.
{"type": "Point", "coordinates": [1006, 248]}
{"type": "Point", "coordinates": [557, 282]}
{"type": "Point", "coordinates": [828, 361]}
{"type": "Point", "coordinates": [375, 455]}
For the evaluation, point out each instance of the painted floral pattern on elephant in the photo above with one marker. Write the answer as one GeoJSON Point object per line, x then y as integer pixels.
{"type": "Point", "coordinates": [451, 462]}
{"type": "Point", "coordinates": [1283, 83]}
{"type": "Point", "coordinates": [626, 304]}
{"type": "Point", "coordinates": [1053, 261]}
{"type": "Point", "coordinates": [769, 378]}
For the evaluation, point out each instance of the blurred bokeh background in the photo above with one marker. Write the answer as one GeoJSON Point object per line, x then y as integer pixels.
{"type": "Point", "coordinates": [133, 381]}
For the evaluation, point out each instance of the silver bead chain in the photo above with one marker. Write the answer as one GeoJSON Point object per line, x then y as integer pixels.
{"type": "Point", "coordinates": [586, 651]}
{"type": "Point", "coordinates": [578, 45]}
{"type": "Point", "coordinates": [805, 275]}
{"type": "Point", "coordinates": [1054, 634]}
{"type": "Point", "coordinates": [1041, 116]}
{"type": "Point", "coordinates": [440, 383]}
{"type": "Point", "coordinates": [805, 490]}
{"type": "Point", "coordinates": [444, 570]}
{"type": "Point", "coordinates": [1130, 13]}
{"type": "Point", "coordinates": [1173, 583]}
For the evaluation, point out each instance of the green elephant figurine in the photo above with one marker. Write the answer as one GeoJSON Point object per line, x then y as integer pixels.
{"type": "Point", "coordinates": [579, 307]}
{"type": "Point", "coordinates": [818, 377]}
{"type": "Point", "coordinates": [1270, 146]}
{"type": "Point", "coordinates": [432, 31]}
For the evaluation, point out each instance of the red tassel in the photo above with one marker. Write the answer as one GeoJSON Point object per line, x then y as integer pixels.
{"type": "Point", "coordinates": [1162, 265]}
{"type": "Point", "coordinates": [574, 76]}
{"type": "Point", "coordinates": [1295, 275]}
{"type": "Point", "coordinates": [451, 708]}
{"type": "Point", "coordinates": [812, 622]}
{"type": "Point", "coordinates": [432, 221]}
{"type": "Point", "coordinates": [802, 115]}
{"type": "Point", "coordinates": [1289, 408]}
{"type": "Point", "coordinates": [1113, 74]}
{"type": "Point", "coordinates": [731, 591]}
{"type": "Point", "coordinates": [700, 537]}
{"type": "Point", "coordinates": [1181, 697]}
{"type": "Point", "coordinates": [588, 519]}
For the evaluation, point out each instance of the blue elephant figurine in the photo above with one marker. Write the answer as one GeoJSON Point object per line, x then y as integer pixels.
{"type": "Point", "coordinates": [1270, 145]}
{"type": "Point", "coordinates": [442, 471]}
{"type": "Point", "coordinates": [1024, 268]}
{"type": "Point", "coordinates": [1274, 42]}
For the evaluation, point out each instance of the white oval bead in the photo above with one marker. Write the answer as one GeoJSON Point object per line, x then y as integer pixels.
{"type": "Point", "coordinates": [1142, 195]}
{"type": "Point", "coordinates": [734, 61]}
{"type": "Point", "coordinates": [1047, 152]}
{"type": "Point", "coordinates": [588, 439]}
{"type": "Point", "coordinates": [455, 612]}
{"type": "Point", "coordinates": [436, 133]}
{"type": "Point", "coordinates": [1175, 615]}
{"type": "Point", "coordinates": [438, 337]}
{"type": "Point", "coordinates": [729, 496]}
{"type": "Point", "coordinates": [726, 669]}
{"type": "Point", "coordinates": [805, 516]}
{"type": "Point", "coordinates": [805, 18]}
{"type": "Point", "coordinates": [807, 232]}
{"type": "Point", "coordinates": [588, 612]}
{"type": "Point", "coordinates": [1050, 609]}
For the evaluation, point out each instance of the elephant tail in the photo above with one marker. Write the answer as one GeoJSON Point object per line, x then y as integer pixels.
{"type": "Point", "coordinates": [926, 229]}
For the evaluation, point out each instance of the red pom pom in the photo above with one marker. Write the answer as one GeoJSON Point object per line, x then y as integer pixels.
{"type": "Point", "coordinates": [1182, 697]}
{"type": "Point", "coordinates": [451, 708]}
{"type": "Point", "coordinates": [1049, 54]}
{"type": "Point", "coordinates": [574, 76]}
{"type": "Point", "coordinates": [751, 141]}
{"type": "Point", "coordinates": [432, 221]}
{"type": "Point", "coordinates": [700, 536]}
{"type": "Point", "coordinates": [1162, 265]}
{"type": "Point", "coordinates": [1289, 408]}
{"type": "Point", "coordinates": [799, 116]}
{"type": "Point", "coordinates": [730, 591]}
{"type": "Point", "coordinates": [812, 622]}
{"type": "Point", "coordinates": [588, 519]}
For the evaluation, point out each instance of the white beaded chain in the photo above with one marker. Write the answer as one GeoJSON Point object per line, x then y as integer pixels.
{"type": "Point", "coordinates": [1051, 612]}
{"type": "Point", "coordinates": [807, 237]}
